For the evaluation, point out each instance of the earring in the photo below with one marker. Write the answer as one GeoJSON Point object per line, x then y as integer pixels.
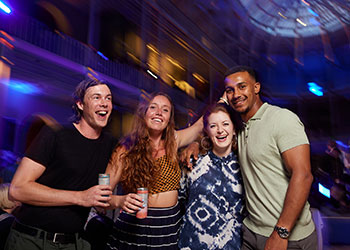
{"type": "Point", "coordinates": [206, 143]}
{"type": "Point", "coordinates": [234, 145]}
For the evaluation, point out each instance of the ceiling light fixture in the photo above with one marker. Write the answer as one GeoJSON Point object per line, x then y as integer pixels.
{"type": "Point", "coordinates": [301, 22]}
{"type": "Point", "coordinates": [5, 8]}
{"type": "Point", "coordinates": [152, 74]}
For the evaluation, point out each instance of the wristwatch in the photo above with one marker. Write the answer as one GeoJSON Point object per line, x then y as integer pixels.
{"type": "Point", "coordinates": [282, 232]}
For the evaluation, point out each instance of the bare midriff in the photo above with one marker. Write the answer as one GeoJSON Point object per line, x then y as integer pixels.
{"type": "Point", "coordinates": [163, 199]}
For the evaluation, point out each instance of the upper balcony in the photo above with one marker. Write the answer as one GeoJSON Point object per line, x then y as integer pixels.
{"type": "Point", "coordinates": [57, 62]}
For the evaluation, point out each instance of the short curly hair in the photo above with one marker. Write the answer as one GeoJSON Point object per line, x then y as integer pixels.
{"type": "Point", "coordinates": [242, 68]}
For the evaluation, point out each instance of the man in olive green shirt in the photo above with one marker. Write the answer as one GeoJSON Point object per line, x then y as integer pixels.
{"type": "Point", "coordinates": [274, 155]}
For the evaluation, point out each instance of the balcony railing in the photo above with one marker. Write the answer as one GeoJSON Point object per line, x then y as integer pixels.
{"type": "Point", "coordinates": [40, 35]}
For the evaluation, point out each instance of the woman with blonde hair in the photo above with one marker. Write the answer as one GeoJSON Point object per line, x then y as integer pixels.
{"type": "Point", "coordinates": [147, 158]}
{"type": "Point", "coordinates": [6, 208]}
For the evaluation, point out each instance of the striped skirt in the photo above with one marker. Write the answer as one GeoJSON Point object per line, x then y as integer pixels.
{"type": "Point", "coordinates": [160, 230]}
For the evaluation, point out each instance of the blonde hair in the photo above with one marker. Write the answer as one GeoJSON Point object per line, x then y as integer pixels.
{"type": "Point", "coordinates": [5, 203]}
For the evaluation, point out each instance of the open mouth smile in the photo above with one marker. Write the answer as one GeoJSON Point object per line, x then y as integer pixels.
{"type": "Point", "coordinates": [239, 101]}
{"type": "Point", "coordinates": [157, 120]}
{"type": "Point", "coordinates": [102, 113]}
{"type": "Point", "coordinates": [221, 138]}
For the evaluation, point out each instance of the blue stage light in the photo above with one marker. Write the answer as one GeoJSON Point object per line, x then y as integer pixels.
{"type": "Point", "coordinates": [23, 87]}
{"type": "Point", "coordinates": [312, 12]}
{"type": "Point", "coordinates": [102, 55]}
{"type": "Point", "coordinates": [323, 190]}
{"type": "Point", "coordinates": [315, 89]}
{"type": "Point", "coordinates": [5, 8]}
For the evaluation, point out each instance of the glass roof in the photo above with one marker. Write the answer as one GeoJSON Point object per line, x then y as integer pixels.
{"type": "Point", "coordinates": [299, 18]}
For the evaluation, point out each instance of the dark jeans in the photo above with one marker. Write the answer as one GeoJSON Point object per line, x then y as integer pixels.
{"type": "Point", "coordinates": [253, 241]}
{"type": "Point", "coordinates": [22, 241]}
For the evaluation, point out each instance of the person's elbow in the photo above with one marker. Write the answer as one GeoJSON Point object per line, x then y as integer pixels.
{"type": "Point", "coordinates": [13, 193]}
{"type": "Point", "coordinates": [307, 178]}
{"type": "Point", "coordinates": [16, 193]}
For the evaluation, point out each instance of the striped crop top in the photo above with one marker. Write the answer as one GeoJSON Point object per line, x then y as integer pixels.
{"type": "Point", "coordinates": [169, 177]}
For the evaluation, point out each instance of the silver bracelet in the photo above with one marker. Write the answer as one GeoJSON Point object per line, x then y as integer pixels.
{"type": "Point", "coordinates": [224, 100]}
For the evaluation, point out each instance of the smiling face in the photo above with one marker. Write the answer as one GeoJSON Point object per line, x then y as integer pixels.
{"type": "Point", "coordinates": [158, 114]}
{"type": "Point", "coordinates": [221, 131]}
{"type": "Point", "coordinates": [243, 94]}
{"type": "Point", "coordinates": [96, 106]}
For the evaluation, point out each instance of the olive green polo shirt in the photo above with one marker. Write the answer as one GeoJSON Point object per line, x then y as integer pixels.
{"type": "Point", "coordinates": [270, 132]}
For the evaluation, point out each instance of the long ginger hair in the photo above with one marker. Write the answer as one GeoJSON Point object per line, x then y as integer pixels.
{"type": "Point", "coordinates": [139, 166]}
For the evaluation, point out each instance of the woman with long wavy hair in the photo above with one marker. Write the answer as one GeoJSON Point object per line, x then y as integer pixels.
{"type": "Point", "coordinates": [147, 157]}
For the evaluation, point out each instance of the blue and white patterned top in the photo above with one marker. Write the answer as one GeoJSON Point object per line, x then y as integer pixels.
{"type": "Point", "coordinates": [214, 204]}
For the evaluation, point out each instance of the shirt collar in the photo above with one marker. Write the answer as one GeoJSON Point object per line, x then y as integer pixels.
{"type": "Point", "coordinates": [226, 158]}
{"type": "Point", "coordinates": [258, 115]}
